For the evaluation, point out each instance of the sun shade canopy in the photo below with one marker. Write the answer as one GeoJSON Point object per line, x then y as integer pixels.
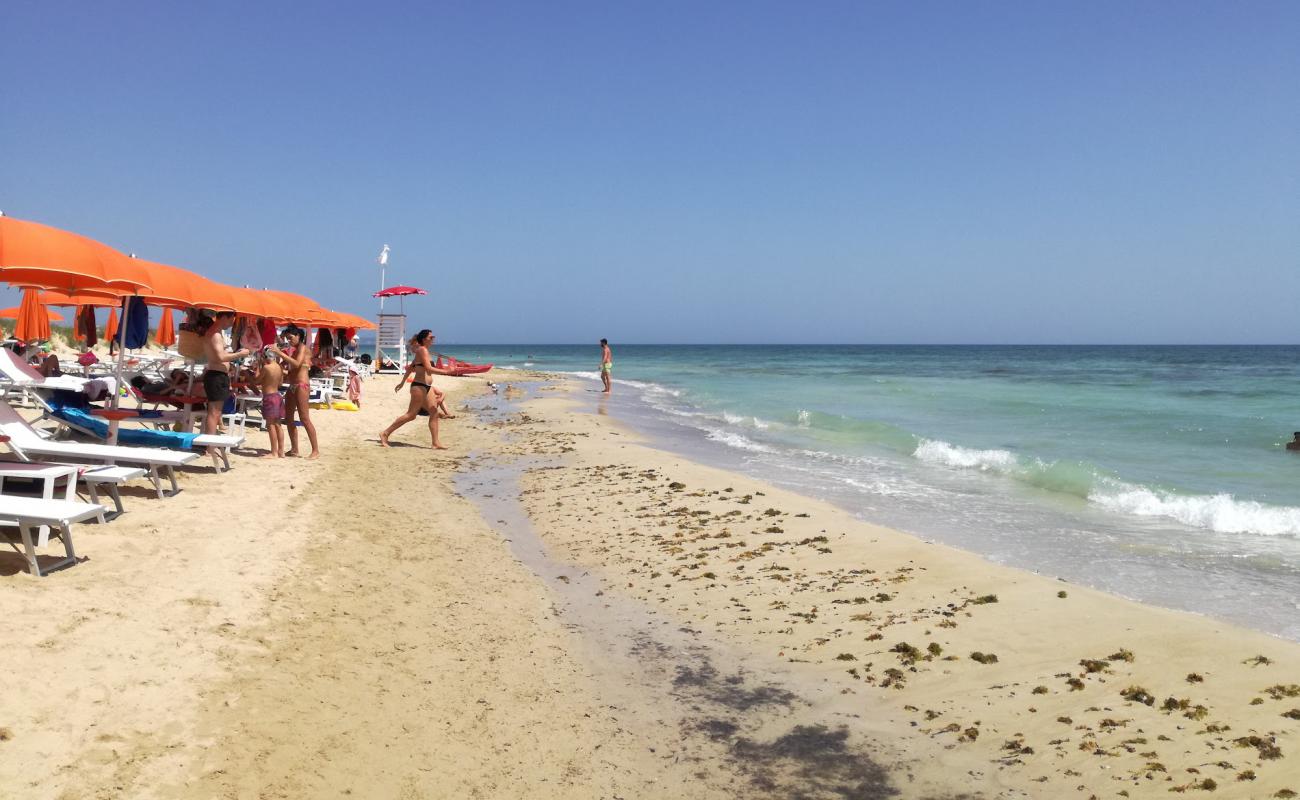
{"type": "Point", "coordinates": [399, 291]}
{"type": "Point", "coordinates": [38, 255]}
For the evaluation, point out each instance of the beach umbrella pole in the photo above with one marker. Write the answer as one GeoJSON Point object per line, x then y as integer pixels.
{"type": "Point", "coordinates": [121, 353]}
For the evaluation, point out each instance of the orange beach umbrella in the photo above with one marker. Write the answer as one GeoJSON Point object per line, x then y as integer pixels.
{"type": "Point", "coordinates": [51, 298]}
{"type": "Point", "coordinates": [110, 327]}
{"type": "Point", "coordinates": [12, 312]}
{"type": "Point", "coordinates": [296, 307]}
{"type": "Point", "coordinates": [166, 330]}
{"type": "Point", "coordinates": [32, 254]}
{"type": "Point", "coordinates": [33, 322]}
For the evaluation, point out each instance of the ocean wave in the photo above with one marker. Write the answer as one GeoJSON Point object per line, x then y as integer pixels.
{"type": "Point", "coordinates": [743, 421]}
{"type": "Point", "coordinates": [842, 430]}
{"type": "Point", "coordinates": [738, 441]}
{"type": "Point", "coordinates": [654, 388]}
{"type": "Point", "coordinates": [940, 452]}
{"type": "Point", "coordinates": [1219, 512]}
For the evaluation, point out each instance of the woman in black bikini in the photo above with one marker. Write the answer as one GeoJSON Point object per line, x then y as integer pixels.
{"type": "Point", "coordinates": [423, 396]}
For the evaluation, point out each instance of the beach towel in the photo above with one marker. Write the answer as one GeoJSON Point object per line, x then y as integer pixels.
{"type": "Point", "coordinates": [71, 407]}
{"type": "Point", "coordinates": [137, 323]}
{"type": "Point", "coordinates": [86, 324]}
{"type": "Point", "coordinates": [268, 332]}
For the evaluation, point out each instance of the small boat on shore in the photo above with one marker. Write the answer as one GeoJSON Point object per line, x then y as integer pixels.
{"type": "Point", "coordinates": [459, 368]}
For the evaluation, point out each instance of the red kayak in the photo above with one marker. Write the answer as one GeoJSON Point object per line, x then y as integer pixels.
{"type": "Point", "coordinates": [460, 368]}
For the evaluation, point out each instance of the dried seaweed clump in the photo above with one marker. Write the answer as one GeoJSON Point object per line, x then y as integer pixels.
{"type": "Point", "coordinates": [1267, 748]}
{"type": "Point", "coordinates": [1137, 694]}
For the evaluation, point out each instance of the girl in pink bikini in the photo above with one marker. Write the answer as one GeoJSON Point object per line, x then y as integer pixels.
{"type": "Point", "coordinates": [297, 362]}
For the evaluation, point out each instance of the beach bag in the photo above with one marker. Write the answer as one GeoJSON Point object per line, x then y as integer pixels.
{"type": "Point", "coordinates": [87, 359]}
{"type": "Point", "coordinates": [190, 345]}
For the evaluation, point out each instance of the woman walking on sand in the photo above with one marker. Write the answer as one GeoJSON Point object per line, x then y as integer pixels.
{"type": "Point", "coordinates": [424, 397]}
{"type": "Point", "coordinates": [297, 362]}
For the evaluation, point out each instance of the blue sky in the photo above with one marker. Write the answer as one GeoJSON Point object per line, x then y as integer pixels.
{"type": "Point", "coordinates": [688, 172]}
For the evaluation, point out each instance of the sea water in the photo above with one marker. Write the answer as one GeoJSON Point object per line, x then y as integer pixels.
{"type": "Point", "coordinates": [1158, 473]}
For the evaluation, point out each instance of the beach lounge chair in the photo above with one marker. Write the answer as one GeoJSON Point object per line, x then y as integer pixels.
{"type": "Point", "coordinates": [14, 370]}
{"type": "Point", "coordinates": [37, 519]}
{"type": "Point", "coordinates": [28, 444]}
{"type": "Point", "coordinates": [95, 477]}
{"type": "Point", "coordinates": [80, 417]}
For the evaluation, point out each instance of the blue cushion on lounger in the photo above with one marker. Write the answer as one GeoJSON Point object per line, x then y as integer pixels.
{"type": "Point", "coordinates": [137, 436]}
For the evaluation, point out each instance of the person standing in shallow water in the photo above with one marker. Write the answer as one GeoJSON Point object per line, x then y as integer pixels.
{"type": "Point", "coordinates": [424, 397]}
{"type": "Point", "coordinates": [606, 363]}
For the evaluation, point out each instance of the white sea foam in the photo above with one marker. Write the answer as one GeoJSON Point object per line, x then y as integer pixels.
{"type": "Point", "coordinates": [651, 388]}
{"type": "Point", "coordinates": [733, 439]}
{"type": "Point", "coordinates": [1219, 512]}
{"type": "Point", "coordinates": [803, 418]}
{"type": "Point", "coordinates": [937, 451]}
{"type": "Point", "coordinates": [749, 422]}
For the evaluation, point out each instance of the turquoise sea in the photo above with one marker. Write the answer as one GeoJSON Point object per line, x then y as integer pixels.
{"type": "Point", "coordinates": [1156, 472]}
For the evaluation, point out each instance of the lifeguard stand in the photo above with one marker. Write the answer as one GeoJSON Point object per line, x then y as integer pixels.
{"type": "Point", "coordinates": [390, 342]}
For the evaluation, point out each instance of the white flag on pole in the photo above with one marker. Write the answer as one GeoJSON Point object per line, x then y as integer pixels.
{"type": "Point", "coordinates": [383, 256]}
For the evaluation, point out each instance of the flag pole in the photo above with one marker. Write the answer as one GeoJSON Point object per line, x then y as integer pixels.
{"type": "Point", "coordinates": [383, 272]}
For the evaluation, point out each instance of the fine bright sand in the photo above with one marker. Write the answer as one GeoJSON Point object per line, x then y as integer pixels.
{"type": "Point", "coordinates": [553, 609]}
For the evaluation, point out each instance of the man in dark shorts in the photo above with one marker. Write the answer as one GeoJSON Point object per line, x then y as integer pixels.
{"type": "Point", "coordinates": [216, 376]}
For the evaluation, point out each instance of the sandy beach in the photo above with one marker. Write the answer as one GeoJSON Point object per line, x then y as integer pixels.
{"type": "Point", "coordinates": [554, 608]}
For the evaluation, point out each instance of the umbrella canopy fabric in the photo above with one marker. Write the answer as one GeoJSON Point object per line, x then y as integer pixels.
{"type": "Point", "coordinates": [110, 327]}
{"type": "Point", "coordinates": [260, 303]}
{"type": "Point", "coordinates": [399, 291]}
{"type": "Point", "coordinates": [166, 329]}
{"type": "Point", "coordinates": [33, 321]}
{"type": "Point", "coordinates": [173, 287]}
{"type": "Point", "coordinates": [12, 312]}
{"type": "Point", "coordinates": [297, 308]}
{"type": "Point", "coordinates": [32, 254]}
{"type": "Point", "coordinates": [50, 298]}
{"type": "Point", "coordinates": [353, 321]}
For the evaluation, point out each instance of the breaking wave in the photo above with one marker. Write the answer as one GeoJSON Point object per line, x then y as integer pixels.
{"type": "Point", "coordinates": [1221, 513]}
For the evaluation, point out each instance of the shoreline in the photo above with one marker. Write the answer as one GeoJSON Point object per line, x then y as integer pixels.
{"type": "Point", "coordinates": [963, 604]}
{"type": "Point", "coordinates": [503, 620]}
{"type": "Point", "coordinates": [1143, 569]}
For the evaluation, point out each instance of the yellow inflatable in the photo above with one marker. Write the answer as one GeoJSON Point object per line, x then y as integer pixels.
{"type": "Point", "coordinates": [344, 405]}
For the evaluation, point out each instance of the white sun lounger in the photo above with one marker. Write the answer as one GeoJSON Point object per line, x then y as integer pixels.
{"type": "Point", "coordinates": [221, 443]}
{"type": "Point", "coordinates": [20, 373]}
{"type": "Point", "coordinates": [38, 519]}
{"type": "Point", "coordinates": [96, 478]}
{"type": "Point", "coordinates": [28, 445]}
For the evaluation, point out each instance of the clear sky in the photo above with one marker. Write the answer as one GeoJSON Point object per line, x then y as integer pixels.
{"type": "Point", "coordinates": [687, 171]}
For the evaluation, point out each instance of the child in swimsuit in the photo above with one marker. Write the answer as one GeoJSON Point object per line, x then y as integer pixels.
{"type": "Point", "coordinates": [269, 377]}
